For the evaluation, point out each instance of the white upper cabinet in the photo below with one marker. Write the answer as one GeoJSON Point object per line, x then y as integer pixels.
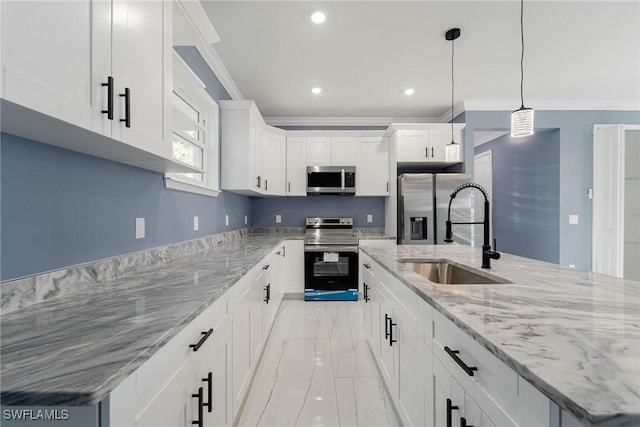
{"type": "Point", "coordinates": [426, 144]}
{"type": "Point", "coordinates": [253, 154]}
{"type": "Point", "coordinates": [142, 57]}
{"type": "Point", "coordinates": [318, 151]}
{"type": "Point", "coordinates": [55, 56]}
{"type": "Point", "coordinates": [343, 151]}
{"type": "Point", "coordinates": [372, 166]}
{"type": "Point", "coordinates": [296, 166]}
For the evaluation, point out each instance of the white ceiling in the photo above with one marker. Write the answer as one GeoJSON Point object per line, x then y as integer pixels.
{"type": "Point", "coordinates": [579, 55]}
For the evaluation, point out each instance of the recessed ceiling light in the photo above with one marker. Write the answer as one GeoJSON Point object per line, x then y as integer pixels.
{"type": "Point", "coordinates": [409, 91]}
{"type": "Point", "coordinates": [316, 90]}
{"type": "Point", "coordinates": [318, 17]}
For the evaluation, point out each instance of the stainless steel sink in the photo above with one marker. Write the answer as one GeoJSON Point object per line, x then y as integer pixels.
{"type": "Point", "coordinates": [447, 273]}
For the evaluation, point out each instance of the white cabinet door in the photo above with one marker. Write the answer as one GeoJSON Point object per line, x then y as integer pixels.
{"type": "Point", "coordinates": [372, 177]}
{"type": "Point", "coordinates": [293, 270]}
{"type": "Point", "coordinates": [412, 146]}
{"type": "Point", "coordinates": [55, 55]}
{"type": "Point", "coordinates": [442, 402]}
{"type": "Point", "coordinates": [368, 282]}
{"type": "Point", "coordinates": [439, 139]}
{"type": "Point", "coordinates": [387, 351]}
{"type": "Point", "coordinates": [173, 405]}
{"type": "Point", "coordinates": [214, 368]}
{"type": "Point", "coordinates": [412, 358]}
{"type": "Point", "coordinates": [343, 151]}
{"type": "Point", "coordinates": [273, 163]}
{"type": "Point", "coordinates": [296, 166]}
{"type": "Point", "coordinates": [241, 340]}
{"type": "Point", "coordinates": [318, 151]}
{"type": "Point", "coordinates": [142, 62]}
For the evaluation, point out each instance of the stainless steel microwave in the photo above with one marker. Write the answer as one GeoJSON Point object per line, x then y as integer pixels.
{"type": "Point", "coordinates": [331, 180]}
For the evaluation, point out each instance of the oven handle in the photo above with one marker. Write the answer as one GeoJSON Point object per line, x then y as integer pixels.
{"type": "Point", "coordinates": [330, 248]}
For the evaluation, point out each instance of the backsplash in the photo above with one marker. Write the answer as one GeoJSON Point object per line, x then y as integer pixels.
{"type": "Point", "coordinates": [34, 289]}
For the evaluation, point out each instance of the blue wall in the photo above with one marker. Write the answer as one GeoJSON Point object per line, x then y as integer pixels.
{"type": "Point", "coordinates": [576, 167]}
{"type": "Point", "coordinates": [61, 208]}
{"type": "Point", "coordinates": [295, 209]}
{"type": "Point", "coordinates": [526, 195]}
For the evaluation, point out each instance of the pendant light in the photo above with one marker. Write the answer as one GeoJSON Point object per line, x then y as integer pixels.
{"type": "Point", "coordinates": [452, 150]}
{"type": "Point", "coordinates": [522, 118]}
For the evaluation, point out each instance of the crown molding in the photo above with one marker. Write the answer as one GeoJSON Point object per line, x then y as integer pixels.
{"type": "Point", "coordinates": [344, 121]}
{"type": "Point", "coordinates": [458, 109]}
{"type": "Point", "coordinates": [551, 104]}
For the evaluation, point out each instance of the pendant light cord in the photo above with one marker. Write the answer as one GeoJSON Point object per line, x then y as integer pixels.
{"type": "Point", "coordinates": [522, 53]}
{"type": "Point", "coordinates": [452, 87]}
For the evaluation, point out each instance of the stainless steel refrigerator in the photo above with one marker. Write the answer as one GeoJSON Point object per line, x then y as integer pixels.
{"type": "Point", "coordinates": [423, 201]}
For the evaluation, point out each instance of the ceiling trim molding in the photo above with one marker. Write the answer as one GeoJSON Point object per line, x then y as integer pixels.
{"type": "Point", "coordinates": [458, 109]}
{"type": "Point", "coordinates": [344, 121]}
{"type": "Point", "coordinates": [215, 63]}
{"type": "Point", "coordinates": [550, 105]}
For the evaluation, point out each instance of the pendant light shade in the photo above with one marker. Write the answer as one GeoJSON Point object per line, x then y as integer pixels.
{"type": "Point", "coordinates": [522, 118]}
{"type": "Point", "coordinates": [522, 122]}
{"type": "Point", "coordinates": [452, 150]}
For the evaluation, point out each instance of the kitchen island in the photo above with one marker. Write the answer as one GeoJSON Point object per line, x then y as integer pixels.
{"type": "Point", "coordinates": [574, 335]}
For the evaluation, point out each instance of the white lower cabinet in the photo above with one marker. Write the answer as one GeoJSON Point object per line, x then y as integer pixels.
{"type": "Point", "coordinates": [436, 374]}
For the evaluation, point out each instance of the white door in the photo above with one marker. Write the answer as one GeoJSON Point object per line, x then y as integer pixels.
{"type": "Point", "coordinates": [372, 177]}
{"type": "Point", "coordinates": [608, 199]}
{"type": "Point", "coordinates": [142, 62]}
{"type": "Point", "coordinates": [343, 151]}
{"type": "Point", "coordinates": [482, 175]}
{"type": "Point", "coordinates": [55, 55]}
{"type": "Point", "coordinates": [413, 146]}
{"type": "Point", "coordinates": [273, 163]}
{"type": "Point", "coordinates": [296, 166]}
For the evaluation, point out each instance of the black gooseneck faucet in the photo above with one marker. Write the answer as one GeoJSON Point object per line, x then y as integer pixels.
{"type": "Point", "coordinates": [487, 253]}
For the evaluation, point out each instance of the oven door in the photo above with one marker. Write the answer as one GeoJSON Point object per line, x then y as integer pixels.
{"type": "Point", "coordinates": [331, 272]}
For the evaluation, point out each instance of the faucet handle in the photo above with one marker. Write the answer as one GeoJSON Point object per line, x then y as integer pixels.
{"type": "Point", "coordinates": [495, 246]}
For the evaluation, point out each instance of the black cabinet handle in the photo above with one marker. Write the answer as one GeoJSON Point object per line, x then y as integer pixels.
{"type": "Point", "coordinates": [259, 180]}
{"type": "Point", "coordinates": [205, 335]}
{"type": "Point", "coordinates": [426, 152]}
{"type": "Point", "coordinates": [209, 381]}
{"type": "Point", "coordinates": [431, 151]}
{"type": "Point", "coordinates": [454, 355]}
{"type": "Point", "coordinates": [289, 187]}
{"type": "Point", "coordinates": [284, 252]}
{"type": "Point", "coordinates": [266, 267]}
{"type": "Point", "coordinates": [198, 422]}
{"type": "Point", "coordinates": [367, 266]}
{"type": "Point", "coordinates": [266, 184]}
{"type": "Point", "coordinates": [127, 107]}
{"type": "Point", "coordinates": [391, 325]}
{"type": "Point", "coordinates": [267, 293]}
{"type": "Point", "coordinates": [366, 292]}
{"type": "Point", "coordinates": [463, 422]}
{"type": "Point", "coordinates": [386, 326]}
{"type": "Point", "coordinates": [450, 408]}
{"type": "Point", "coordinates": [109, 110]}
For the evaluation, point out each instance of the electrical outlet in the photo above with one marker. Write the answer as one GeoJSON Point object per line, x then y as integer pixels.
{"type": "Point", "coordinates": [226, 220]}
{"type": "Point", "coordinates": [278, 219]}
{"type": "Point", "coordinates": [246, 220]}
{"type": "Point", "coordinates": [369, 218]}
{"type": "Point", "coordinates": [196, 223]}
{"type": "Point", "coordinates": [572, 266]}
{"type": "Point", "coordinates": [573, 219]}
{"type": "Point", "coordinates": [140, 228]}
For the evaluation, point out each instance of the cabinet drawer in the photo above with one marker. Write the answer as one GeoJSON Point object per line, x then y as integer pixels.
{"type": "Point", "coordinates": [491, 381]}
{"type": "Point", "coordinates": [155, 372]}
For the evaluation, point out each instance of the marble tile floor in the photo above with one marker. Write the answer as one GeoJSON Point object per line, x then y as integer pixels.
{"type": "Point", "coordinates": [317, 370]}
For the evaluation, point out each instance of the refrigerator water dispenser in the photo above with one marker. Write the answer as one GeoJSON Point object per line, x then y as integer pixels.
{"type": "Point", "coordinates": [418, 228]}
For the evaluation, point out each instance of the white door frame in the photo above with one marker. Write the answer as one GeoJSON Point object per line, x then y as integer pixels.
{"type": "Point", "coordinates": [612, 216]}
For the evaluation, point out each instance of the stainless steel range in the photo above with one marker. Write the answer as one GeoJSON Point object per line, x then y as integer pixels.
{"type": "Point", "coordinates": [330, 260]}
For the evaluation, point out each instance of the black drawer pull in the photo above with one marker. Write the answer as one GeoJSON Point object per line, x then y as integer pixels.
{"type": "Point", "coordinates": [198, 422]}
{"type": "Point", "coordinates": [450, 408]}
{"type": "Point", "coordinates": [109, 110]}
{"type": "Point", "coordinates": [386, 325]}
{"type": "Point", "coordinates": [367, 266]}
{"type": "Point", "coordinates": [205, 335]}
{"type": "Point", "coordinates": [127, 107]}
{"type": "Point", "coordinates": [463, 422]}
{"type": "Point", "coordinates": [391, 325]}
{"type": "Point", "coordinates": [366, 293]}
{"type": "Point", "coordinates": [454, 355]}
{"type": "Point", "coordinates": [267, 293]}
{"type": "Point", "coordinates": [266, 267]}
{"type": "Point", "coordinates": [209, 381]}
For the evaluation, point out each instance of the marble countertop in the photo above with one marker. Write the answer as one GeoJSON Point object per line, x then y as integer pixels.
{"type": "Point", "coordinates": [574, 335]}
{"type": "Point", "coordinates": [75, 349]}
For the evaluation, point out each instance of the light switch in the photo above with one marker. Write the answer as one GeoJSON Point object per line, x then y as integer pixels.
{"type": "Point", "coordinates": [226, 220]}
{"type": "Point", "coordinates": [139, 228]}
{"type": "Point", "coordinates": [196, 223]}
{"type": "Point", "coordinates": [278, 219]}
{"type": "Point", "coordinates": [369, 218]}
{"type": "Point", "coordinates": [573, 219]}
